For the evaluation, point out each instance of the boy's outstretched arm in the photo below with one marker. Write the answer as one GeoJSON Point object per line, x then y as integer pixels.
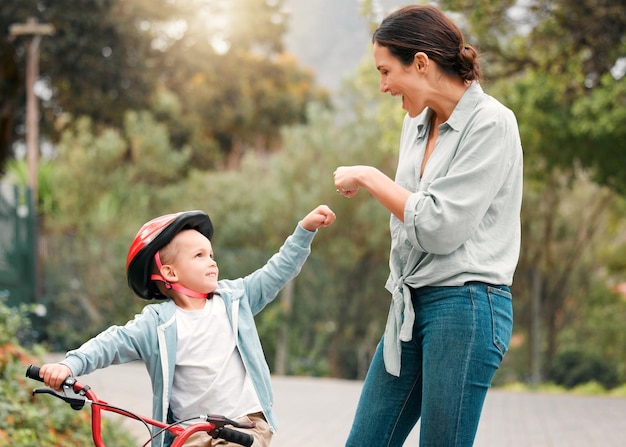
{"type": "Point", "coordinates": [322, 216]}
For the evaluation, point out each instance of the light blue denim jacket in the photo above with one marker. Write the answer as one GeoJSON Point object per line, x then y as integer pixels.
{"type": "Point", "coordinates": [151, 336]}
{"type": "Point", "coordinates": [462, 222]}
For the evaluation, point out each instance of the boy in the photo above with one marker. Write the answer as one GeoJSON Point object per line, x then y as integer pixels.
{"type": "Point", "coordinates": [200, 346]}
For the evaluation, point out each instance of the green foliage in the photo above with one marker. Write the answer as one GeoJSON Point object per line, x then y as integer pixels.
{"type": "Point", "coordinates": [568, 223]}
{"type": "Point", "coordinates": [93, 216]}
{"type": "Point", "coordinates": [340, 302]}
{"type": "Point", "coordinates": [39, 421]}
{"type": "Point", "coordinates": [14, 324]}
{"type": "Point", "coordinates": [573, 368]}
{"type": "Point", "coordinates": [589, 388]}
{"type": "Point", "coordinates": [596, 324]}
{"type": "Point", "coordinates": [566, 88]}
{"type": "Point", "coordinates": [599, 118]}
{"type": "Point", "coordinates": [620, 391]}
{"type": "Point", "coordinates": [253, 209]}
{"type": "Point", "coordinates": [222, 60]}
{"type": "Point", "coordinates": [180, 104]}
{"type": "Point", "coordinates": [90, 63]}
{"type": "Point", "coordinates": [559, 66]}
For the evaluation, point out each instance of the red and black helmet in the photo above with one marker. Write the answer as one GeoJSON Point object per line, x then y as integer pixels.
{"type": "Point", "coordinates": [153, 236]}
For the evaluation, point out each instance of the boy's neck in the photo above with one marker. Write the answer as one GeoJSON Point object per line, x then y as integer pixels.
{"type": "Point", "coordinates": [187, 303]}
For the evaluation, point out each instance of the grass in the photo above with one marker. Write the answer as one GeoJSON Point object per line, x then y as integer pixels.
{"type": "Point", "coordinates": [589, 388]}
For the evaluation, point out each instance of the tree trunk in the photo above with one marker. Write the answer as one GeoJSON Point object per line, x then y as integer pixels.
{"type": "Point", "coordinates": [535, 326]}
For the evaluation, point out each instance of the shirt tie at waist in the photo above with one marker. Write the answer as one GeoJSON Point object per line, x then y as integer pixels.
{"type": "Point", "coordinates": [399, 327]}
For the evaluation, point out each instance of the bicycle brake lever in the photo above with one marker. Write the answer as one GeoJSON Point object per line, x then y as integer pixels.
{"type": "Point", "coordinates": [220, 421]}
{"type": "Point", "coordinates": [76, 401]}
{"type": "Point", "coordinates": [47, 391]}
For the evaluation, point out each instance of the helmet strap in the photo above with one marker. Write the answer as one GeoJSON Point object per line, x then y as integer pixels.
{"type": "Point", "coordinates": [177, 287]}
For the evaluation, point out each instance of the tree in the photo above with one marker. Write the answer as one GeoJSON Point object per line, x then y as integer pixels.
{"type": "Point", "coordinates": [90, 66]}
{"type": "Point", "coordinates": [116, 165]}
{"type": "Point", "coordinates": [568, 223]}
{"type": "Point", "coordinates": [109, 56]}
{"type": "Point", "coordinates": [560, 66]}
{"type": "Point", "coordinates": [107, 180]}
{"type": "Point", "coordinates": [568, 59]}
{"type": "Point", "coordinates": [334, 318]}
{"type": "Point", "coordinates": [105, 184]}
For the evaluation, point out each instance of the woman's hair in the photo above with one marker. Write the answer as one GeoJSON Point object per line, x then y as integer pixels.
{"type": "Point", "coordinates": [425, 28]}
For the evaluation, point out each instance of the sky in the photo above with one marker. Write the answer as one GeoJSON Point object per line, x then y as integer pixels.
{"type": "Point", "coordinates": [331, 37]}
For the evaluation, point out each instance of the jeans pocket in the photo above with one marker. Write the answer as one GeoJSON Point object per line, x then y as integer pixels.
{"type": "Point", "coordinates": [500, 302]}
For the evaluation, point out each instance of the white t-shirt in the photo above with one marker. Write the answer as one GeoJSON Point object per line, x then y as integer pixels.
{"type": "Point", "coordinates": [209, 377]}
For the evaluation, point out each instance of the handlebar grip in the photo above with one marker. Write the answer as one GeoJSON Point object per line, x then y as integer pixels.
{"type": "Point", "coordinates": [228, 434]}
{"type": "Point", "coordinates": [32, 372]}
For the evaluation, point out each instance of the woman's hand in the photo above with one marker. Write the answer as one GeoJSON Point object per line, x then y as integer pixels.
{"type": "Point", "coordinates": [348, 179]}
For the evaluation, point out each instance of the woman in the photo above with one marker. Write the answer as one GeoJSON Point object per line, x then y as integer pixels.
{"type": "Point", "coordinates": [455, 237]}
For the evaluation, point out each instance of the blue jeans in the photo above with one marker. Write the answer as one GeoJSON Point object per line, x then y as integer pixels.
{"type": "Point", "coordinates": [459, 339]}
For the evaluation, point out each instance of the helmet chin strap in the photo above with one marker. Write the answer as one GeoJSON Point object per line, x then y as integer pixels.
{"type": "Point", "coordinates": [177, 287]}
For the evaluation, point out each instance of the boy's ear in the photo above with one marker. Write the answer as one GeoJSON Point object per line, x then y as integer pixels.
{"type": "Point", "coordinates": [168, 273]}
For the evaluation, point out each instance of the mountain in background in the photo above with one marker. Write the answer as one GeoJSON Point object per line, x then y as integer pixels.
{"type": "Point", "coordinates": [331, 37]}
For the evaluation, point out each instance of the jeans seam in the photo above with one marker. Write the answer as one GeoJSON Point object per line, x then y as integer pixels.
{"type": "Point", "coordinates": [466, 367]}
{"type": "Point", "coordinates": [395, 425]}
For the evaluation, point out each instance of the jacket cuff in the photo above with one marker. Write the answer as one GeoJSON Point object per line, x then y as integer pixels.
{"type": "Point", "coordinates": [302, 236]}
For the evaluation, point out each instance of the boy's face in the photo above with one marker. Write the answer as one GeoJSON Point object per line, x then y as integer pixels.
{"type": "Point", "coordinates": [193, 265]}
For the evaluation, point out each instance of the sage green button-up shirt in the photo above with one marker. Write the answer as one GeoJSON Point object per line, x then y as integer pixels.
{"type": "Point", "coordinates": [462, 222]}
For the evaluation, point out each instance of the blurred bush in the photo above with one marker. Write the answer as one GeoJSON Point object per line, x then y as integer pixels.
{"type": "Point", "coordinates": [27, 421]}
{"type": "Point", "coordinates": [576, 367]}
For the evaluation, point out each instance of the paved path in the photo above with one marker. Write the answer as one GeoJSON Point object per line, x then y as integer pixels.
{"type": "Point", "coordinates": [317, 412]}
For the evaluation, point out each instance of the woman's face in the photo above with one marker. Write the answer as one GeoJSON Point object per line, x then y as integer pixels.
{"type": "Point", "coordinates": [400, 80]}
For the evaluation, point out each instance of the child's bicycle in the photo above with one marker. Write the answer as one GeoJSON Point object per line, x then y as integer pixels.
{"type": "Point", "coordinates": [77, 395]}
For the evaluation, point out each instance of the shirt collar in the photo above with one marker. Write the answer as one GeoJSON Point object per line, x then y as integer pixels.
{"type": "Point", "coordinates": [460, 114]}
{"type": "Point", "coordinates": [466, 104]}
{"type": "Point", "coordinates": [422, 122]}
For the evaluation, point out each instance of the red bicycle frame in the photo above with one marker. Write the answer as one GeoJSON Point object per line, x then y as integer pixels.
{"type": "Point", "coordinates": [181, 433]}
{"type": "Point", "coordinates": [77, 395]}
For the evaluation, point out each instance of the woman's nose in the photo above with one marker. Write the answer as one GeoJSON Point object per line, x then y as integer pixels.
{"type": "Point", "coordinates": [383, 86]}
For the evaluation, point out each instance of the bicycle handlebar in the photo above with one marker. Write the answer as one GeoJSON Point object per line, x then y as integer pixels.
{"type": "Point", "coordinates": [238, 437]}
{"type": "Point", "coordinates": [32, 372]}
{"type": "Point", "coordinates": [78, 400]}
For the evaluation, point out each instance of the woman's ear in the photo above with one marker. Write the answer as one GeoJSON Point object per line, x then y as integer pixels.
{"type": "Point", "coordinates": [421, 62]}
